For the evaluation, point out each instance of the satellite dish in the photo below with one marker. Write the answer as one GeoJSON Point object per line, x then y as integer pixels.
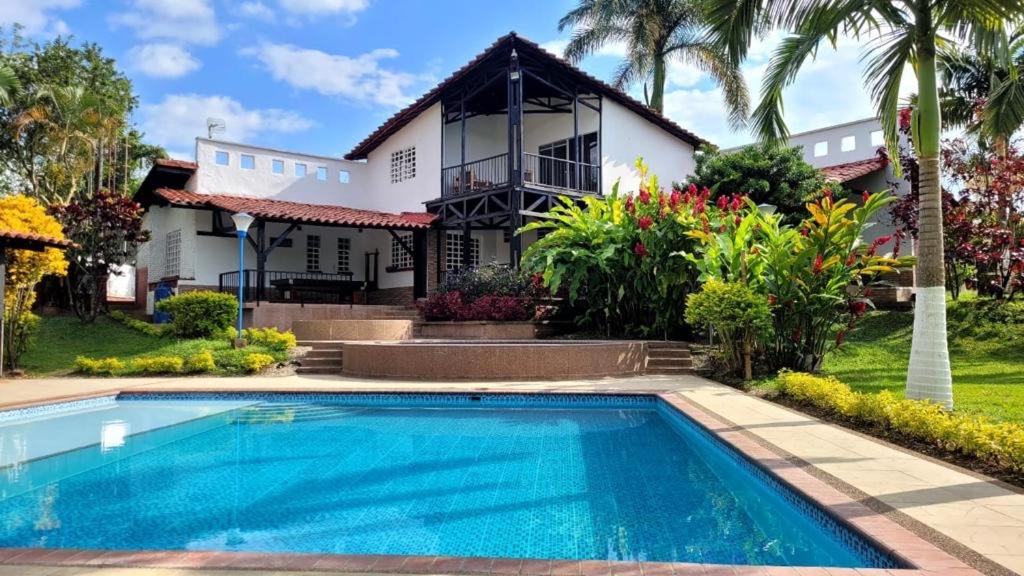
{"type": "Point", "coordinates": [215, 126]}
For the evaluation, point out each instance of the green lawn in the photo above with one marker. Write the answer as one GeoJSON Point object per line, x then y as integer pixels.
{"type": "Point", "coordinates": [60, 339]}
{"type": "Point", "coordinates": [986, 347]}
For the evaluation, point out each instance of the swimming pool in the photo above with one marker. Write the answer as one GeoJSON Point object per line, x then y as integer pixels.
{"type": "Point", "coordinates": [508, 476]}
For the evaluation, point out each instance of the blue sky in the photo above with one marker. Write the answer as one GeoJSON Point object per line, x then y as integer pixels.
{"type": "Point", "coordinates": [319, 75]}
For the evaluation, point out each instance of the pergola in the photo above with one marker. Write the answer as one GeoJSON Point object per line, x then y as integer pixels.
{"type": "Point", "coordinates": [13, 240]}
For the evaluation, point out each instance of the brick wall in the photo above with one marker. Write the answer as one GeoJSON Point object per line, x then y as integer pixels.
{"type": "Point", "coordinates": [401, 296]}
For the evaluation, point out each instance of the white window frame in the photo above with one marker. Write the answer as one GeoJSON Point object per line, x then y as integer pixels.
{"type": "Point", "coordinates": [343, 176]}
{"type": "Point", "coordinates": [344, 258]}
{"type": "Point", "coordinates": [321, 171]}
{"type": "Point", "coordinates": [241, 161]}
{"type": "Point", "coordinates": [400, 259]}
{"type": "Point", "coordinates": [877, 138]}
{"type": "Point", "coordinates": [453, 251]}
{"type": "Point", "coordinates": [821, 149]}
{"type": "Point", "coordinates": [403, 165]}
{"type": "Point", "coordinates": [274, 164]}
{"type": "Point", "coordinates": [312, 253]}
{"type": "Point", "coordinates": [172, 254]}
{"type": "Point", "coordinates": [848, 143]}
{"type": "Point", "coordinates": [222, 155]}
{"type": "Point", "coordinates": [301, 166]}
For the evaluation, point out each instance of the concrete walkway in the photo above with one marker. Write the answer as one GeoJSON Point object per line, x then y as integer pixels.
{"type": "Point", "coordinates": [971, 516]}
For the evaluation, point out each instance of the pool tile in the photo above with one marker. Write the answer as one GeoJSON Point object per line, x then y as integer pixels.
{"type": "Point", "coordinates": [333, 562]}
{"type": "Point", "coordinates": [535, 568]}
{"type": "Point", "coordinates": [626, 569]}
{"type": "Point", "coordinates": [419, 564]}
{"type": "Point", "coordinates": [506, 566]}
{"type": "Point", "coordinates": [595, 568]}
{"type": "Point", "coordinates": [447, 565]}
{"type": "Point", "coordinates": [476, 566]}
{"type": "Point", "coordinates": [565, 567]}
{"type": "Point", "coordinates": [662, 568]}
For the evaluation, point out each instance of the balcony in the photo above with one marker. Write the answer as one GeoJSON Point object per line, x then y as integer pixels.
{"type": "Point", "coordinates": [539, 172]}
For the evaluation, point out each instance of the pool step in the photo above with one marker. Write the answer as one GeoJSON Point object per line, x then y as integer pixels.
{"type": "Point", "coordinates": [668, 358]}
{"type": "Point", "coordinates": [293, 412]}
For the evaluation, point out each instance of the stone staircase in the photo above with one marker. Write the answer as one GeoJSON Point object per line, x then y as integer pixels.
{"type": "Point", "coordinates": [668, 358]}
{"type": "Point", "coordinates": [326, 357]}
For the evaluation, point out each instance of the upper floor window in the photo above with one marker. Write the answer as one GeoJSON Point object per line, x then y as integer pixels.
{"type": "Point", "coordinates": [453, 251]}
{"type": "Point", "coordinates": [248, 162]}
{"type": "Point", "coordinates": [312, 253]}
{"type": "Point", "coordinates": [344, 254]}
{"type": "Point", "coordinates": [321, 173]}
{"type": "Point", "coordinates": [277, 166]}
{"type": "Point", "coordinates": [821, 149]}
{"type": "Point", "coordinates": [222, 158]}
{"type": "Point", "coordinates": [300, 170]}
{"type": "Point", "coordinates": [848, 143]}
{"type": "Point", "coordinates": [877, 139]}
{"type": "Point", "coordinates": [403, 165]}
{"type": "Point", "coordinates": [401, 259]}
{"type": "Point", "coordinates": [343, 176]}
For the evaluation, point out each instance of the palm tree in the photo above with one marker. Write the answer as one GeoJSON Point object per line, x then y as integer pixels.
{"type": "Point", "coordinates": [901, 33]}
{"type": "Point", "coordinates": [9, 85]}
{"type": "Point", "coordinates": [655, 32]}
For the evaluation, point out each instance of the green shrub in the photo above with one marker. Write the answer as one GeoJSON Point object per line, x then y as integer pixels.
{"type": "Point", "coordinates": [101, 366]}
{"type": "Point", "coordinates": [200, 314]}
{"type": "Point", "coordinates": [998, 444]}
{"type": "Point", "coordinates": [157, 365]}
{"type": "Point", "coordinates": [138, 325]}
{"type": "Point", "coordinates": [254, 362]}
{"type": "Point", "coordinates": [200, 362]}
{"type": "Point", "coordinates": [737, 313]}
{"type": "Point", "coordinates": [270, 338]}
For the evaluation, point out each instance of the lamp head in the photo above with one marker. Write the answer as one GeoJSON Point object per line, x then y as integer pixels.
{"type": "Point", "coordinates": [767, 208]}
{"type": "Point", "coordinates": [242, 221]}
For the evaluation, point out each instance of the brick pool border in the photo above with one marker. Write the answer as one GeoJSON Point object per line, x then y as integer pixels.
{"type": "Point", "coordinates": [923, 556]}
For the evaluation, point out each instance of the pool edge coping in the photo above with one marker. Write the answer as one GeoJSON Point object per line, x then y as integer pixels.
{"type": "Point", "coordinates": [924, 557]}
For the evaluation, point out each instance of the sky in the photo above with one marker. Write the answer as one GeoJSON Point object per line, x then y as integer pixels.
{"type": "Point", "coordinates": [317, 76]}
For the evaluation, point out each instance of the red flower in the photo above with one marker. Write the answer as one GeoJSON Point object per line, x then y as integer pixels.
{"type": "Point", "coordinates": [737, 203]}
{"type": "Point", "coordinates": [828, 194]}
{"type": "Point", "coordinates": [865, 196]}
{"type": "Point", "coordinates": [692, 189]}
{"type": "Point", "coordinates": [645, 196]}
{"type": "Point", "coordinates": [630, 206]}
{"type": "Point", "coordinates": [674, 198]}
{"type": "Point", "coordinates": [905, 115]}
{"type": "Point", "coordinates": [645, 222]}
{"type": "Point", "coordinates": [851, 259]}
{"type": "Point", "coordinates": [640, 250]}
{"type": "Point", "coordinates": [738, 220]}
{"type": "Point", "coordinates": [858, 308]}
{"type": "Point", "coordinates": [840, 337]}
{"type": "Point", "coordinates": [818, 262]}
{"type": "Point", "coordinates": [804, 232]}
{"type": "Point", "coordinates": [722, 203]}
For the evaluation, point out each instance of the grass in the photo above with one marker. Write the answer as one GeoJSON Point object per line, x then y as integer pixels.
{"type": "Point", "coordinates": [60, 339]}
{"type": "Point", "coordinates": [986, 346]}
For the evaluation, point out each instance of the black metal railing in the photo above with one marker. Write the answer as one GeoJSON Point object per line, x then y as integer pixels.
{"type": "Point", "coordinates": [298, 287]}
{"type": "Point", "coordinates": [549, 172]}
{"type": "Point", "coordinates": [473, 176]}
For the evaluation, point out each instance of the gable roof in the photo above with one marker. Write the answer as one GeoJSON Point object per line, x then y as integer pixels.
{"type": "Point", "coordinates": [297, 212]}
{"type": "Point", "coordinates": [31, 241]}
{"type": "Point", "coordinates": [853, 170]}
{"type": "Point", "coordinates": [508, 42]}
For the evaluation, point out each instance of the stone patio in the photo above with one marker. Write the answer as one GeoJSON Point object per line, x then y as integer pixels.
{"type": "Point", "coordinates": [977, 519]}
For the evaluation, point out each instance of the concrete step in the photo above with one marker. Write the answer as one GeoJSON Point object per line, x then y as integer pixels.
{"type": "Point", "coordinates": [668, 371]}
{"type": "Point", "coordinates": [318, 370]}
{"type": "Point", "coordinates": [667, 345]}
{"type": "Point", "coordinates": [324, 353]}
{"type": "Point", "coordinates": [669, 353]}
{"type": "Point", "coordinates": [322, 344]}
{"type": "Point", "coordinates": [669, 363]}
{"type": "Point", "coordinates": [318, 362]}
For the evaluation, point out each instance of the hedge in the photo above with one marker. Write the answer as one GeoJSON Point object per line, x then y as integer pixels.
{"type": "Point", "coordinates": [201, 313]}
{"type": "Point", "coordinates": [1000, 444]}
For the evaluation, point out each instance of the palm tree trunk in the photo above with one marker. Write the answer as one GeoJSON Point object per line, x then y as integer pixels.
{"type": "Point", "coordinates": [658, 88]}
{"type": "Point", "coordinates": [928, 376]}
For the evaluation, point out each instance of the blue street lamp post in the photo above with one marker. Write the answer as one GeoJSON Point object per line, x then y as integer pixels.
{"type": "Point", "coordinates": [242, 223]}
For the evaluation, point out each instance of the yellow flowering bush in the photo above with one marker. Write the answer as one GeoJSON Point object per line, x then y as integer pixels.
{"type": "Point", "coordinates": [200, 362]}
{"type": "Point", "coordinates": [25, 268]}
{"type": "Point", "coordinates": [270, 337]}
{"type": "Point", "coordinates": [998, 444]}
{"type": "Point", "coordinates": [256, 361]}
{"type": "Point", "coordinates": [98, 366]}
{"type": "Point", "coordinates": [157, 365]}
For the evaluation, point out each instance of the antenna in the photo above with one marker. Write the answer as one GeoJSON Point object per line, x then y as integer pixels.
{"type": "Point", "coordinates": [215, 126]}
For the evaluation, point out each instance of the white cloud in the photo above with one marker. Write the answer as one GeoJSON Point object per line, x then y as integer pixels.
{"type": "Point", "coordinates": [323, 7]}
{"type": "Point", "coordinates": [257, 10]}
{"type": "Point", "coordinates": [360, 78]}
{"type": "Point", "coordinates": [179, 118]}
{"type": "Point", "coordinates": [162, 60]}
{"type": "Point", "coordinates": [36, 15]}
{"type": "Point", "coordinates": [186, 21]}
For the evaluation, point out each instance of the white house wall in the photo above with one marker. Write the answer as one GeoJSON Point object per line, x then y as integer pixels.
{"type": "Point", "coordinates": [625, 136]}
{"type": "Point", "coordinates": [424, 133]}
{"type": "Point", "coordinates": [486, 136]}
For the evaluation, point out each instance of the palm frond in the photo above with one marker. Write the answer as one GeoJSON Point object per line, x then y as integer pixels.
{"type": "Point", "coordinates": [887, 58]}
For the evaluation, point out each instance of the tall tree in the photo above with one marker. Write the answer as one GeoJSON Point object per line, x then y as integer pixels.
{"type": "Point", "coordinates": [901, 33]}
{"type": "Point", "coordinates": [9, 85]}
{"type": "Point", "coordinates": [655, 33]}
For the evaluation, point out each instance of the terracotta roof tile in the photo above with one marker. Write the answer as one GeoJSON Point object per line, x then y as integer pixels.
{"type": "Point", "coordinates": [407, 114]}
{"type": "Point", "coordinates": [172, 163]}
{"type": "Point", "coordinates": [285, 211]}
{"type": "Point", "coordinates": [26, 239]}
{"type": "Point", "coordinates": [853, 170]}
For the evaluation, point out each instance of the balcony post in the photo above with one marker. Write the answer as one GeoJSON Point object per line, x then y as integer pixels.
{"type": "Point", "coordinates": [467, 239]}
{"type": "Point", "coordinates": [576, 140]}
{"type": "Point", "coordinates": [515, 120]}
{"type": "Point", "coordinates": [419, 263]}
{"type": "Point", "coordinates": [462, 127]}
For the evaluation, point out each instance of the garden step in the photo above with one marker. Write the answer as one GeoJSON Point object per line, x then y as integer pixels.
{"type": "Point", "coordinates": [668, 371]}
{"type": "Point", "coordinates": [667, 345]}
{"type": "Point", "coordinates": [669, 363]}
{"type": "Point", "coordinates": [324, 353]}
{"type": "Point", "coordinates": [315, 362]}
{"type": "Point", "coordinates": [318, 370]}
{"type": "Point", "coordinates": [669, 353]}
{"type": "Point", "coordinates": [323, 344]}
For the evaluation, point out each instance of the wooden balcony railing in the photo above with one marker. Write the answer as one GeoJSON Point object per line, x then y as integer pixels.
{"type": "Point", "coordinates": [298, 287]}
{"type": "Point", "coordinates": [474, 176]}
{"type": "Point", "coordinates": [538, 171]}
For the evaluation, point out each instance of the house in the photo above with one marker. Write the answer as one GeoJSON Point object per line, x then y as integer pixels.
{"type": "Point", "coordinates": [443, 184]}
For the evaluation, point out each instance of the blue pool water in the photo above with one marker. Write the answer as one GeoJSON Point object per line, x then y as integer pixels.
{"type": "Point", "coordinates": [571, 478]}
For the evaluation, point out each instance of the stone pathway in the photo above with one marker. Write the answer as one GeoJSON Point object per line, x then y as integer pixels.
{"type": "Point", "coordinates": [976, 518]}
